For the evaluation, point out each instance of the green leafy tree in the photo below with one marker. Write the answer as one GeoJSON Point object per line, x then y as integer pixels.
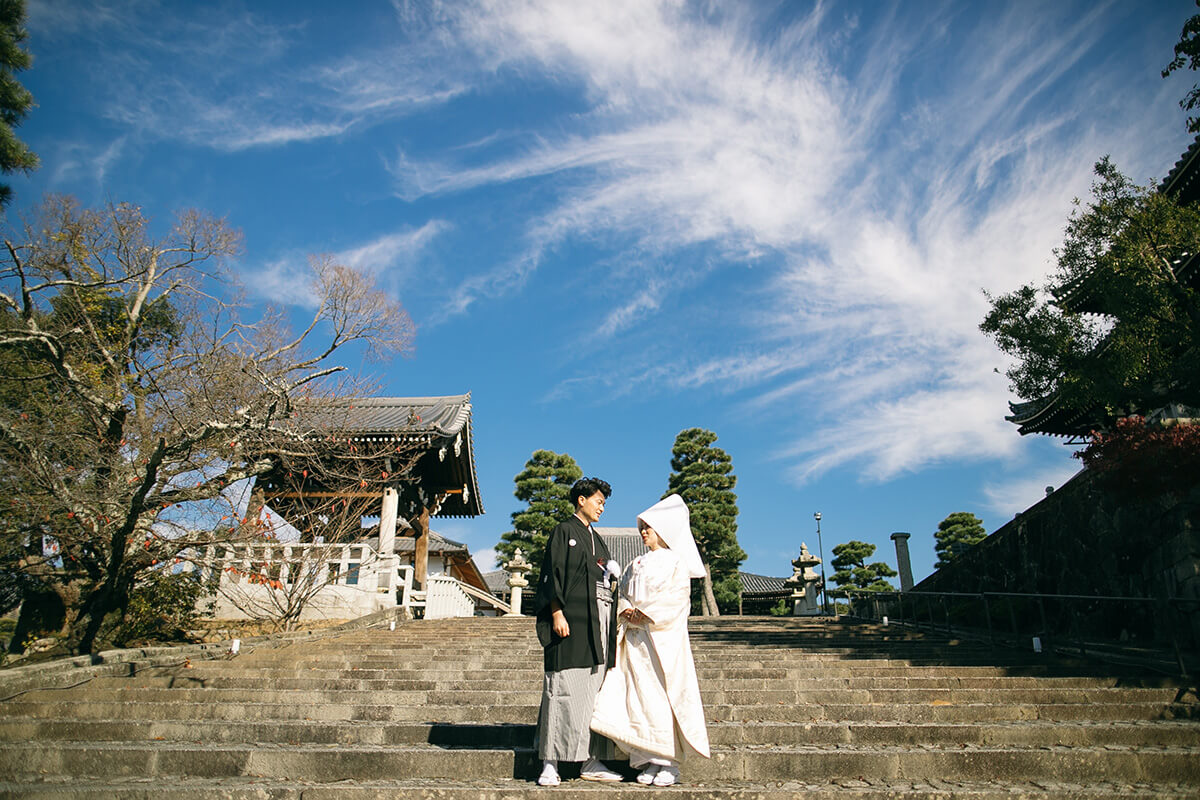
{"type": "Point", "coordinates": [955, 534]}
{"type": "Point", "coordinates": [853, 571]}
{"type": "Point", "coordinates": [163, 606]}
{"type": "Point", "coordinates": [1187, 54]}
{"type": "Point", "coordinates": [1114, 331]}
{"type": "Point", "coordinates": [15, 99]}
{"type": "Point", "coordinates": [544, 486]}
{"type": "Point", "coordinates": [703, 476]}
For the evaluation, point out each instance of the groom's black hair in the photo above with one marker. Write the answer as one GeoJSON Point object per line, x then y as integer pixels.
{"type": "Point", "coordinates": [586, 487]}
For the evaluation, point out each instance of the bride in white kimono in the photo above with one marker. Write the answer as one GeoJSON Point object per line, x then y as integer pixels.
{"type": "Point", "coordinates": [650, 702]}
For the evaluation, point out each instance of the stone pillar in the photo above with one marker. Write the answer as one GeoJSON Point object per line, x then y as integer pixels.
{"type": "Point", "coordinates": [386, 575]}
{"type": "Point", "coordinates": [805, 583]}
{"type": "Point", "coordinates": [516, 581]}
{"type": "Point", "coordinates": [387, 522]}
{"type": "Point", "coordinates": [903, 563]}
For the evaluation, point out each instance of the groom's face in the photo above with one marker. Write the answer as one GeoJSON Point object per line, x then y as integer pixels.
{"type": "Point", "coordinates": [590, 508]}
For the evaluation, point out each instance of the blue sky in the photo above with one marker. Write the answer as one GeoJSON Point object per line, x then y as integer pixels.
{"type": "Point", "coordinates": [613, 221]}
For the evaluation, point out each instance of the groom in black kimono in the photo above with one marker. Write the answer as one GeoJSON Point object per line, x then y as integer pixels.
{"type": "Point", "coordinates": [576, 625]}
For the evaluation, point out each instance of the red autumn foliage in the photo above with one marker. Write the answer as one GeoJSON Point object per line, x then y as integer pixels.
{"type": "Point", "coordinates": [1145, 461]}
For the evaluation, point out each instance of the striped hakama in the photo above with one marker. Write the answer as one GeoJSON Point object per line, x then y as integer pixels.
{"type": "Point", "coordinates": [568, 695]}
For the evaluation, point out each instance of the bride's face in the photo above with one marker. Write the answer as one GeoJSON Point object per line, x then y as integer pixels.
{"type": "Point", "coordinates": [650, 537]}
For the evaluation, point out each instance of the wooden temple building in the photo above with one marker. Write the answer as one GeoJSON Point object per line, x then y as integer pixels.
{"type": "Point", "coordinates": [1051, 415]}
{"type": "Point", "coordinates": [402, 460]}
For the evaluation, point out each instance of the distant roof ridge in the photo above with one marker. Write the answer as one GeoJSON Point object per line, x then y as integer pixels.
{"type": "Point", "coordinates": [397, 400]}
{"type": "Point", "coordinates": [406, 532]}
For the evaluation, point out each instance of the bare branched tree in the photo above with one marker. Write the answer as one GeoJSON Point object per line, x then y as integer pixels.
{"type": "Point", "coordinates": [136, 392]}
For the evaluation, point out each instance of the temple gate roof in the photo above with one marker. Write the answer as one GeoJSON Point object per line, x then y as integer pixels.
{"type": "Point", "coordinates": [441, 426]}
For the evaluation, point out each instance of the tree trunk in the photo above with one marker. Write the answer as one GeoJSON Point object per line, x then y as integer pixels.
{"type": "Point", "coordinates": [86, 625]}
{"type": "Point", "coordinates": [89, 615]}
{"type": "Point", "coordinates": [420, 526]}
{"type": "Point", "coordinates": [254, 509]}
{"type": "Point", "coordinates": [41, 611]}
{"type": "Point", "coordinates": [708, 599]}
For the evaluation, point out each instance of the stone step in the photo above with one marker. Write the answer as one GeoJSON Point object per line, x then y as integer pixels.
{"type": "Point", "coordinates": [215, 676]}
{"type": "Point", "coordinates": [333, 763]}
{"type": "Point", "coordinates": [519, 789]}
{"type": "Point", "coordinates": [479, 659]}
{"type": "Point", "coordinates": [438, 668]}
{"type": "Point", "coordinates": [730, 672]}
{"type": "Point", "coordinates": [1025, 733]}
{"type": "Point", "coordinates": [777, 712]}
{"type": "Point", "coordinates": [445, 709]}
{"type": "Point", "coordinates": [452, 682]}
{"type": "Point", "coordinates": [531, 695]}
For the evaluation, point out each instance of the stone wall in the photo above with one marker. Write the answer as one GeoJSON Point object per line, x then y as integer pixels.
{"type": "Point", "coordinates": [1084, 540]}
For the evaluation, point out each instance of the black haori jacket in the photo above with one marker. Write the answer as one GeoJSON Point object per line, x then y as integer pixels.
{"type": "Point", "coordinates": [569, 574]}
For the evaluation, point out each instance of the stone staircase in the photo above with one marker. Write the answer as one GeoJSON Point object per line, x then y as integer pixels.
{"type": "Point", "coordinates": [445, 709]}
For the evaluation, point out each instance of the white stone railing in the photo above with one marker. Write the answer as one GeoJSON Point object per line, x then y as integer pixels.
{"type": "Point", "coordinates": [486, 597]}
{"type": "Point", "coordinates": [344, 564]}
{"type": "Point", "coordinates": [445, 597]}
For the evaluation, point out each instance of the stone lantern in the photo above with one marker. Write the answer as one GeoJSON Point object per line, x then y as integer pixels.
{"type": "Point", "coordinates": [516, 570]}
{"type": "Point", "coordinates": [805, 584]}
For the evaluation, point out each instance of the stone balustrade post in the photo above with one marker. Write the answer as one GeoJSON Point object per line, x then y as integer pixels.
{"type": "Point", "coordinates": [805, 583]}
{"type": "Point", "coordinates": [516, 570]}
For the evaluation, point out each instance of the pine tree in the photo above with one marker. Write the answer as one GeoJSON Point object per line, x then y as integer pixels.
{"type": "Point", "coordinates": [545, 486]}
{"type": "Point", "coordinates": [853, 571]}
{"type": "Point", "coordinates": [703, 476]}
{"type": "Point", "coordinates": [15, 99]}
{"type": "Point", "coordinates": [955, 534]}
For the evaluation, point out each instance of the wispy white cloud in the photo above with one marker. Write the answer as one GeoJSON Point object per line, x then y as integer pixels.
{"type": "Point", "coordinates": [393, 252]}
{"type": "Point", "coordinates": [623, 316]}
{"type": "Point", "coordinates": [872, 214]}
{"type": "Point", "coordinates": [392, 258]}
{"type": "Point", "coordinates": [884, 215]}
{"type": "Point", "coordinates": [239, 81]}
{"type": "Point", "coordinates": [76, 160]}
{"type": "Point", "coordinates": [1010, 497]}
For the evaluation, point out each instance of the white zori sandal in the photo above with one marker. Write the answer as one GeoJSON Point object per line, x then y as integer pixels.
{"type": "Point", "coordinates": [646, 777]}
{"type": "Point", "coordinates": [667, 776]}
{"type": "Point", "coordinates": [594, 770]}
{"type": "Point", "coordinates": [549, 776]}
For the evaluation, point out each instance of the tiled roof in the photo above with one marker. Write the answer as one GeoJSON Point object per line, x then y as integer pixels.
{"type": "Point", "coordinates": [407, 543]}
{"type": "Point", "coordinates": [437, 544]}
{"type": "Point", "coordinates": [762, 585]}
{"type": "Point", "coordinates": [497, 582]}
{"type": "Point", "coordinates": [1182, 181]}
{"type": "Point", "coordinates": [1049, 416]}
{"type": "Point", "coordinates": [624, 544]}
{"type": "Point", "coordinates": [443, 424]}
{"type": "Point", "coordinates": [441, 416]}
